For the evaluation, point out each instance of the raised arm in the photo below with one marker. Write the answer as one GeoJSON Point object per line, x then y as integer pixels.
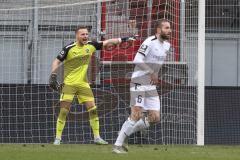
{"type": "Point", "coordinates": [117, 41]}
{"type": "Point", "coordinates": [114, 41]}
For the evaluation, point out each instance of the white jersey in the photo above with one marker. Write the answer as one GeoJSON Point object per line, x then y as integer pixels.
{"type": "Point", "coordinates": [152, 53]}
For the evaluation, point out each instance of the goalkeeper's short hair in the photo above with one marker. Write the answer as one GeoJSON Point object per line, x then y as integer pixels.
{"type": "Point", "coordinates": [81, 27]}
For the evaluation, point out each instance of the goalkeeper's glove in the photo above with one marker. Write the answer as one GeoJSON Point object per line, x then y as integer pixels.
{"type": "Point", "coordinates": [53, 82]}
{"type": "Point", "coordinates": [130, 38]}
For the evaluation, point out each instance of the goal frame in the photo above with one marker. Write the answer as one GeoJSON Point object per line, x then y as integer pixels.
{"type": "Point", "coordinates": [201, 72]}
{"type": "Point", "coordinates": [200, 55]}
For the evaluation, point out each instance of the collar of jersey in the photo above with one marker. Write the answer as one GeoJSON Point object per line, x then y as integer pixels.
{"type": "Point", "coordinates": [78, 45]}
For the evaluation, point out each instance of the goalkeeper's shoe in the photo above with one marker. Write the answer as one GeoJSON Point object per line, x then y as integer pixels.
{"type": "Point", "coordinates": [119, 150]}
{"type": "Point", "coordinates": [100, 141]}
{"type": "Point", "coordinates": [57, 142]}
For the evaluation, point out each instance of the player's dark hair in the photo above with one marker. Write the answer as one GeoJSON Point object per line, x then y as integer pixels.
{"type": "Point", "coordinates": [160, 22]}
{"type": "Point", "coordinates": [80, 27]}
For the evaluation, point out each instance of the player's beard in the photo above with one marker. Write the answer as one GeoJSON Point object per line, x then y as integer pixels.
{"type": "Point", "coordinates": [164, 36]}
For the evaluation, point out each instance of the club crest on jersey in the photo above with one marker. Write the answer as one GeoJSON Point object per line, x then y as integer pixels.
{"type": "Point", "coordinates": [143, 48]}
{"type": "Point", "coordinates": [87, 50]}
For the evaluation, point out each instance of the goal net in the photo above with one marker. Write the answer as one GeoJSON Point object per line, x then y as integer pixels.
{"type": "Point", "coordinates": [33, 32]}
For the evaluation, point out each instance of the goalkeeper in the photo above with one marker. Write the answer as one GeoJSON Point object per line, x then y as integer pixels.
{"type": "Point", "coordinates": [76, 57]}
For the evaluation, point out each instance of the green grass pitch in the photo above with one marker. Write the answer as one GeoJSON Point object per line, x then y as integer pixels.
{"type": "Point", "coordinates": [136, 152]}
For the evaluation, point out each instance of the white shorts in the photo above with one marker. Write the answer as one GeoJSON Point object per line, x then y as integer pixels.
{"type": "Point", "coordinates": [145, 96]}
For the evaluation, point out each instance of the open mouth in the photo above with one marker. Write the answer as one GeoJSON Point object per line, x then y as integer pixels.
{"type": "Point", "coordinates": [85, 41]}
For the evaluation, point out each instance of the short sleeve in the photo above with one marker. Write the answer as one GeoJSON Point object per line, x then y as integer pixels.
{"type": "Point", "coordinates": [63, 54]}
{"type": "Point", "coordinates": [144, 48]}
{"type": "Point", "coordinates": [97, 45]}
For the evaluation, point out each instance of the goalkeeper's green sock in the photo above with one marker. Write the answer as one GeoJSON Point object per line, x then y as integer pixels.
{"type": "Point", "coordinates": [61, 122]}
{"type": "Point", "coordinates": [94, 121]}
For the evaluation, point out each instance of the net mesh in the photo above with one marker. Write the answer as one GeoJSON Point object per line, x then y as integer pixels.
{"type": "Point", "coordinates": [222, 91]}
{"type": "Point", "coordinates": [33, 32]}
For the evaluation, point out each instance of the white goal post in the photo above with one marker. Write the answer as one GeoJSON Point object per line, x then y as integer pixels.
{"type": "Point", "coordinates": [201, 72]}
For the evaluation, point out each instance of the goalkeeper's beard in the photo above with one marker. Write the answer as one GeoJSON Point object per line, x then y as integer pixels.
{"type": "Point", "coordinates": [82, 42]}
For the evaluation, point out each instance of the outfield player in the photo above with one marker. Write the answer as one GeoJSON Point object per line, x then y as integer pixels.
{"type": "Point", "coordinates": [76, 57]}
{"type": "Point", "coordinates": [144, 96]}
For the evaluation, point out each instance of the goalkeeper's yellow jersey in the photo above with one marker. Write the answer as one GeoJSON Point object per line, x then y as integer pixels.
{"type": "Point", "coordinates": [76, 59]}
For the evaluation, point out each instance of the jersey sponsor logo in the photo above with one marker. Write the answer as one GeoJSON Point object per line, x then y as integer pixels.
{"type": "Point", "coordinates": [158, 58]}
{"type": "Point", "coordinates": [143, 48]}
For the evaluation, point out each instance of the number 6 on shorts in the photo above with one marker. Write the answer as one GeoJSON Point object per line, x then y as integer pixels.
{"type": "Point", "coordinates": [139, 99]}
